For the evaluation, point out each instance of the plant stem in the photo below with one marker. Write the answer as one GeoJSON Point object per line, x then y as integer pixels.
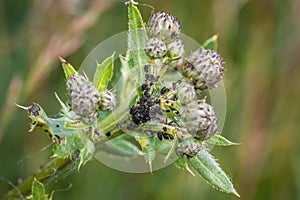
{"type": "Point", "coordinates": [52, 169]}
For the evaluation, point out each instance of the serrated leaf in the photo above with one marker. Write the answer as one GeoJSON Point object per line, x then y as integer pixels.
{"type": "Point", "coordinates": [209, 169]}
{"type": "Point", "coordinates": [67, 67]}
{"type": "Point", "coordinates": [220, 141]}
{"type": "Point", "coordinates": [104, 73]}
{"type": "Point", "coordinates": [38, 191]}
{"type": "Point", "coordinates": [211, 43]}
{"type": "Point", "coordinates": [86, 152]}
{"type": "Point", "coordinates": [136, 42]}
{"type": "Point", "coordinates": [66, 146]}
{"type": "Point", "coordinates": [127, 88]}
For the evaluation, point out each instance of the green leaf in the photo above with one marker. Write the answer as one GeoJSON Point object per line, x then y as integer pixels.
{"type": "Point", "coordinates": [38, 191]}
{"type": "Point", "coordinates": [211, 43]}
{"type": "Point", "coordinates": [209, 169]}
{"type": "Point", "coordinates": [67, 67]}
{"type": "Point", "coordinates": [125, 147]}
{"type": "Point", "coordinates": [67, 146]}
{"type": "Point", "coordinates": [65, 140]}
{"type": "Point", "coordinates": [136, 42]}
{"type": "Point", "coordinates": [149, 148]}
{"type": "Point", "coordinates": [220, 141]}
{"type": "Point", "coordinates": [86, 152]}
{"type": "Point", "coordinates": [104, 73]}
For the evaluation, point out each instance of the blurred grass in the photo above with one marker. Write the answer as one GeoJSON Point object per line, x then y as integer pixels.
{"type": "Point", "coordinates": [259, 41]}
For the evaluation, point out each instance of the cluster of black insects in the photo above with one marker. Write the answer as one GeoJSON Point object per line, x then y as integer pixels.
{"type": "Point", "coordinates": [141, 112]}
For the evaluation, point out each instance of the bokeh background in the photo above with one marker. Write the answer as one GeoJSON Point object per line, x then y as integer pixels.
{"type": "Point", "coordinates": [260, 42]}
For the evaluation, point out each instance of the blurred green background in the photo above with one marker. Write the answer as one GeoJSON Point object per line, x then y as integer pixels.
{"type": "Point", "coordinates": [260, 43]}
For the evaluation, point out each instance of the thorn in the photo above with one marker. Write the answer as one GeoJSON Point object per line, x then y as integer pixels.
{"type": "Point", "coordinates": [236, 194]}
{"type": "Point", "coordinates": [150, 166]}
{"type": "Point", "coordinates": [189, 170]}
{"type": "Point", "coordinates": [62, 60]}
{"type": "Point", "coordinates": [80, 163]}
{"type": "Point", "coordinates": [22, 107]}
{"type": "Point", "coordinates": [64, 107]}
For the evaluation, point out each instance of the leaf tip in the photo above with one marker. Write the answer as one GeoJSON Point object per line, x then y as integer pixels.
{"type": "Point", "coordinates": [62, 60]}
{"type": "Point", "coordinates": [236, 194]}
{"type": "Point", "coordinates": [215, 37]}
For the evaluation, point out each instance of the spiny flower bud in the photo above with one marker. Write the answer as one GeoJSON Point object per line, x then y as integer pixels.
{"type": "Point", "coordinates": [108, 101]}
{"type": "Point", "coordinates": [189, 148]}
{"type": "Point", "coordinates": [164, 26]}
{"type": "Point", "coordinates": [200, 119]}
{"type": "Point", "coordinates": [185, 92]}
{"type": "Point", "coordinates": [176, 48]}
{"type": "Point", "coordinates": [205, 68]}
{"type": "Point", "coordinates": [156, 48]}
{"type": "Point", "coordinates": [84, 97]}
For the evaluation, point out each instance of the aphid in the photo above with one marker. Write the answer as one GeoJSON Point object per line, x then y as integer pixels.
{"type": "Point", "coordinates": [160, 135]}
{"type": "Point", "coordinates": [164, 90]}
{"type": "Point", "coordinates": [144, 87]}
{"type": "Point", "coordinates": [166, 136]}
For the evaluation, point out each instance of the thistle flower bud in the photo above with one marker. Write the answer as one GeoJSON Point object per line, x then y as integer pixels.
{"type": "Point", "coordinates": [185, 92]}
{"type": "Point", "coordinates": [108, 101]}
{"type": "Point", "coordinates": [189, 148]}
{"type": "Point", "coordinates": [200, 119]}
{"type": "Point", "coordinates": [156, 48]}
{"type": "Point", "coordinates": [164, 26]}
{"type": "Point", "coordinates": [176, 48]}
{"type": "Point", "coordinates": [84, 97]}
{"type": "Point", "coordinates": [205, 68]}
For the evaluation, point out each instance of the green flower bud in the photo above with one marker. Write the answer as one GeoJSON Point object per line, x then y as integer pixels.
{"type": "Point", "coordinates": [84, 97]}
{"type": "Point", "coordinates": [185, 92]}
{"type": "Point", "coordinates": [188, 147]}
{"type": "Point", "coordinates": [176, 48]}
{"type": "Point", "coordinates": [200, 119]}
{"type": "Point", "coordinates": [204, 68]}
{"type": "Point", "coordinates": [108, 101]}
{"type": "Point", "coordinates": [164, 26]}
{"type": "Point", "coordinates": [156, 48]}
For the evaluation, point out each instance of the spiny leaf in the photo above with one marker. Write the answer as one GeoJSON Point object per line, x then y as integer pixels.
{"type": "Point", "coordinates": [67, 146]}
{"type": "Point", "coordinates": [209, 169]}
{"type": "Point", "coordinates": [67, 67]}
{"type": "Point", "coordinates": [86, 152]}
{"type": "Point", "coordinates": [38, 191]}
{"type": "Point", "coordinates": [211, 43]}
{"type": "Point", "coordinates": [220, 141]}
{"type": "Point", "coordinates": [136, 42]}
{"type": "Point", "coordinates": [104, 73]}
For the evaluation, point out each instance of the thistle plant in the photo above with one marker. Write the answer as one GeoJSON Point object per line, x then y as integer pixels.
{"type": "Point", "coordinates": [170, 116]}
